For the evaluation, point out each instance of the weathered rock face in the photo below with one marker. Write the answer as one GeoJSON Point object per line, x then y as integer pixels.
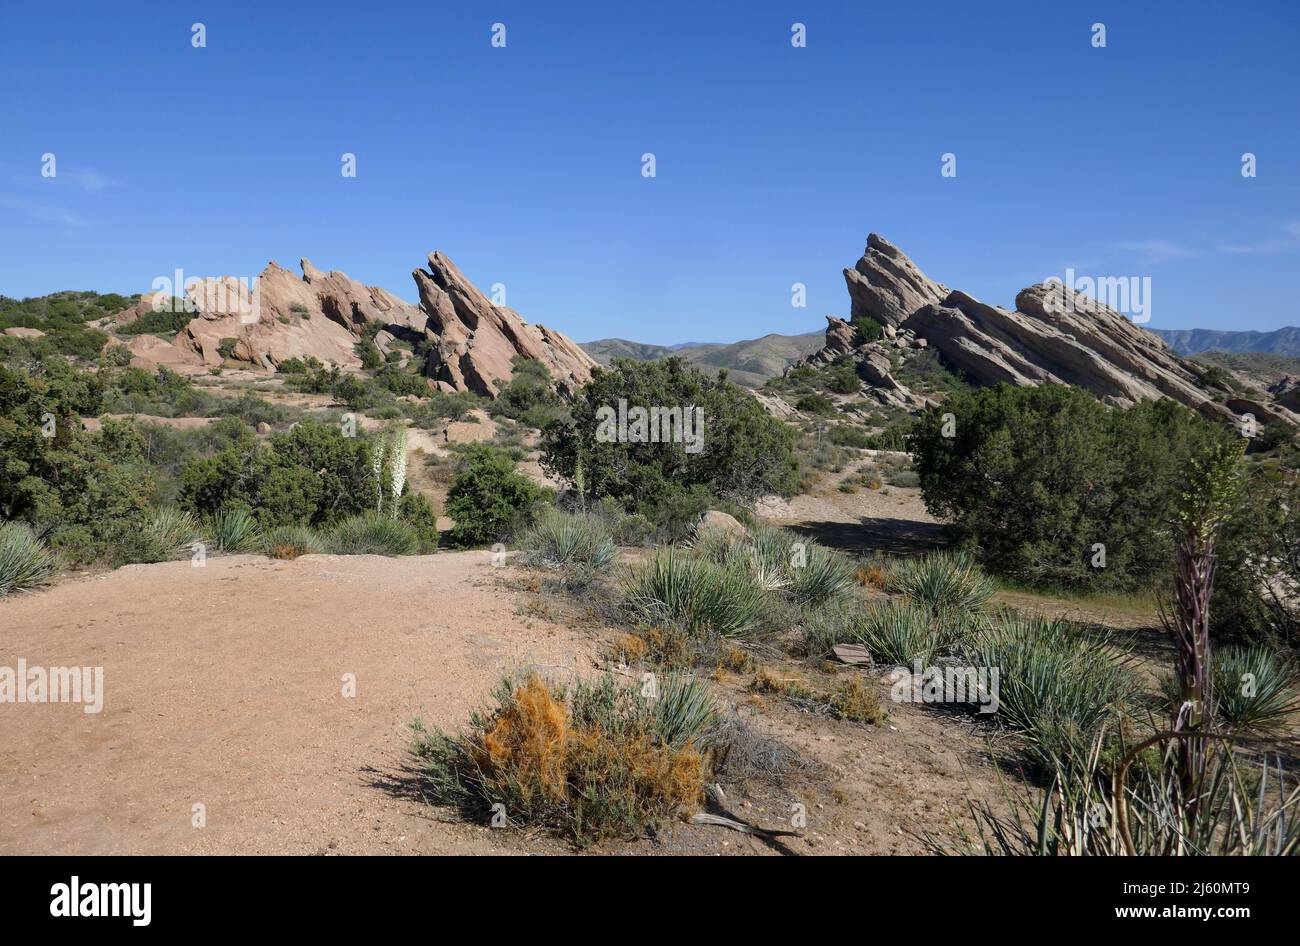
{"type": "Point", "coordinates": [474, 341]}
{"type": "Point", "coordinates": [1055, 336]}
{"type": "Point", "coordinates": [886, 285]}
{"type": "Point", "coordinates": [1060, 337]}
{"type": "Point", "coordinates": [470, 341]}
{"type": "Point", "coordinates": [1287, 392]}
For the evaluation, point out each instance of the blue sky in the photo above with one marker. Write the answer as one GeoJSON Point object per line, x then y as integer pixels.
{"type": "Point", "coordinates": [523, 164]}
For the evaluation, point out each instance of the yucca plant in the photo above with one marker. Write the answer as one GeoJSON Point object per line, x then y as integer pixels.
{"type": "Point", "coordinates": [290, 541]}
{"type": "Point", "coordinates": [25, 562]}
{"type": "Point", "coordinates": [944, 583]}
{"type": "Point", "coordinates": [1206, 504]}
{"type": "Point", "coordinates": [560, 539]}
{"type": "Point", "coordinates": [235, 531]}
{"type": "Point", "coordinates": [898, 632]}
{"type": "Point", "coordinates": [684, 709]}
{"type": "Point", "coordinates": [373, 533]}
{"type": "Point", "coordinates": [1253, 688]}
{"type": "Point", "coordinates": [1245, 809]}
{"type": "Point", "coordinates": [823, 576]}
{"type": "Point", "coordinates": [705, 598]}
{"type": "Point", "coordinates": [1058, 682]}
{"type": "Point", "coordinates": [165, 534]}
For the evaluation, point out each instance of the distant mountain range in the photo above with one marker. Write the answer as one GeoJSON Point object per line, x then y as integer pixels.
{"type": "Point", "coordinates": [749, 362]}
{"type": "Point", "coordinates": [1193, 341]}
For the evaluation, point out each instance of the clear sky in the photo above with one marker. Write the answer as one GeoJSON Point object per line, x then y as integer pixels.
{"type": "Point", "coordinates": [773, 163]}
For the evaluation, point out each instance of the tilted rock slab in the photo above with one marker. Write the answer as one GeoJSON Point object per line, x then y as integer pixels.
{"type": "Point", "coordinates": [887, 286]}
{"type": "Point", "coordinates": [474, 340]}
{"type": "Point", "coordinates": [471, 342]}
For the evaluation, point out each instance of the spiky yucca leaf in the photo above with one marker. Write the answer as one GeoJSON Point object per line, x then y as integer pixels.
{"type": "Point", "coordinates": [25, 562]}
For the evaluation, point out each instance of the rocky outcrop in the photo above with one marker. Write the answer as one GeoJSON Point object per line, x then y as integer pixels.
{"type": "Point", "coordinates": [470, 342]}
{"type": "Point", "coordinates": [1055, 335]}
{"type": "Point", "coordinates": [1286, 391]}
{"type": "Point", "coordinates": [887, 286]}
{"type": "Point", "coordinates": [474, 340]}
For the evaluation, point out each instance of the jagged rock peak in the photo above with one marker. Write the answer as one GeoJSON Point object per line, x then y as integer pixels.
{"type": "Point", "coordinates": [886, 285]}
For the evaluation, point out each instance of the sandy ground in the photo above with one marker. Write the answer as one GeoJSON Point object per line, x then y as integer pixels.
{"type": "Point", "coordinates": [223, 686]}
{"type": "Point", "coordinates": [891, 519]}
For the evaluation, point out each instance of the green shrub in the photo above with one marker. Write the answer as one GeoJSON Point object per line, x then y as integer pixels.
{"type": "Point", "coordinates": [743, 452]}
{"type": "Point", "coordinates": [489, 497]}
{"type": "Point", "coordinates": [165, 321]}
{"type": "Point", "coordinates": [528, 396]}
{"type": "Point", "coordinates": [1035, 478]}
{"type": "Point", "coordinates": [869, 330]}
{"type": "Point", "coordinates": [373, 533]}
{"type": "Point", "coordinates": [418, 511]}
{"type": "Point", "coordinates": [843, 435]}
{"type": "Point", "coordinates": [843, 379]}
{"type": "Point", "coordinates": [560, 539]}
{"type": "Point", "coordinates": [369, 353]}
{"type": "Point", "coordinates": [25, 562]}
{"type": "Point", "coordinates": [815, 404]}
{"type": "Point", "coordinates": [705, 598]}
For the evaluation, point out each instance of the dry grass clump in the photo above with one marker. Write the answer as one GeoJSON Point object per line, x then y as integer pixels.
{"type": "Point", "coordinates": [851, 698]}
{"type": "Point", "coordinates": [854, 700]}
{"type": "Point", "coordinates": [871, 576]}
{"type": "Point", "coordinates": [597, 761]}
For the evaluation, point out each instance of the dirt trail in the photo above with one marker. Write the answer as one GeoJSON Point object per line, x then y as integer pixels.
{"type": "Point", "coordinates": [223, 687]}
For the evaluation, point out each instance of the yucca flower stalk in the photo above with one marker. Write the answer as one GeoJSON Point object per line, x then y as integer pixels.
{"type": "Point", "coordinates": [1205, 507]}
{"type": "Point", "coordinates": [377, 466]}
{"type": "Point", "coordinates": [397, 458]}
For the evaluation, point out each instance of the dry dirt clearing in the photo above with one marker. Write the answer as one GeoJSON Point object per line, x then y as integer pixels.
{"type": "Point", "coordinates": [223, 687]}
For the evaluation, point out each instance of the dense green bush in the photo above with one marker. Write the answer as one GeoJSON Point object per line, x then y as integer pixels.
{"type": "Point", "coordinates": [1035, 478]}
{"type": "Point", "coordinates": [84, 490]}
{"type": "Point", "coordinates": [312, 475]}
{"type": "Point", "coordinates": [1257, 583]}
{"type": "Point", "coordinates": [843, 379]}
{"type": "Point", "coordinates": [489, 497]}
{"type": "Point", "coordinates": [815, 404]}
{"type": "Point", "coordinates": [743, 452]}
{"type": "Point", "coordinates": [528, 396]}
{"type": "Point", "coordinates": [418, 511]}
{"type": "Point", "coordinates": [869, 330]}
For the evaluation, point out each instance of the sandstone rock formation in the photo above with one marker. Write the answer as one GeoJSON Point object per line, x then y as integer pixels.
{"type": "Point", "coordinates": [474, 341]}
{"type": "Point", "coordinates": [886, 285]}
{"type": "Point", "coordinates": [470, 342]}
{"type": "Point", "coordinates": [1055, 336]}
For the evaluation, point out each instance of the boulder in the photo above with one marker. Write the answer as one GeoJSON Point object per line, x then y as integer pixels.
{"type": "Point", "coordinates": [716, 519]}
{"type": "Point", "coordinates": [18, 331]}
